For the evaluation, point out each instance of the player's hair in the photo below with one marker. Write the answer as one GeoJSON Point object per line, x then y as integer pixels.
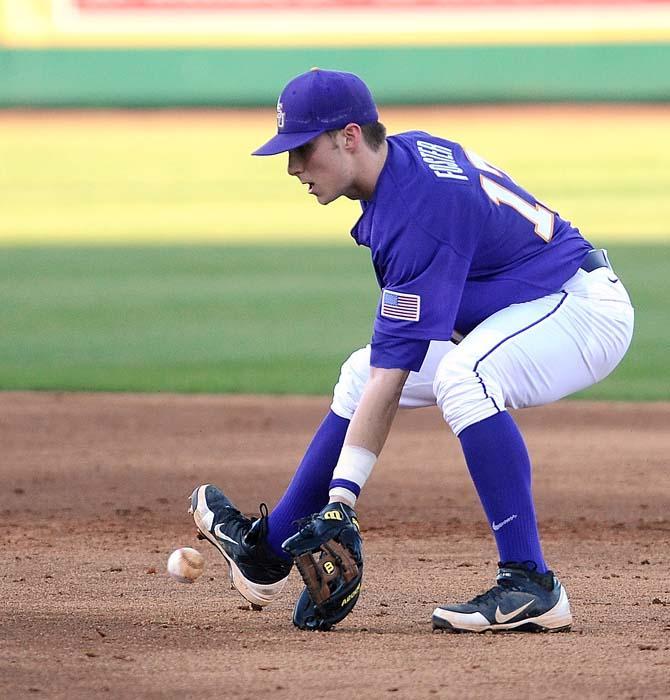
{"type": "Point", "coordinates": [374, 134]}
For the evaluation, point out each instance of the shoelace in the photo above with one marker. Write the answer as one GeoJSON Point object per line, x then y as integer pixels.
{"type": "Point", "coordinates": [504, 585]}
{"type": "Point", "coordinates": [494, 593]}
{"type": "Point", "coordinates": [234, 516]}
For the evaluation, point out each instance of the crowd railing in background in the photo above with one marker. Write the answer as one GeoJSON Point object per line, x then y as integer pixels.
{"type": "Point", "coordinates": [145, 53]}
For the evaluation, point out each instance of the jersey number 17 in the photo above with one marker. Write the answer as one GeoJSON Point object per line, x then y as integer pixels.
{"type": "Point", "coordinates": [540, 216]}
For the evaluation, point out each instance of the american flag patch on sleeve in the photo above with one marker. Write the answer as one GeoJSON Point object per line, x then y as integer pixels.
{"type": "Point", "coordinates": [404, 307]}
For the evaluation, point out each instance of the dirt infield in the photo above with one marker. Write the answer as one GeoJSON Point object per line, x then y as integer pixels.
{"type": "Point", "coordinates": [94, 499]}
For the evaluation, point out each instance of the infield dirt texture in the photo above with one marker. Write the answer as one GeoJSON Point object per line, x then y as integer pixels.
{"type": "Point", "coordinates": [94, 499]}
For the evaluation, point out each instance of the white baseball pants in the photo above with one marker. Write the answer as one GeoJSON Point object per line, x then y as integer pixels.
{"type": "Point", "coordinates": [527, 354]}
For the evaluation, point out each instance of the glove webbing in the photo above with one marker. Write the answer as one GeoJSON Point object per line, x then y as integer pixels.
{"type": "Point", "coordinates": [334, 561]}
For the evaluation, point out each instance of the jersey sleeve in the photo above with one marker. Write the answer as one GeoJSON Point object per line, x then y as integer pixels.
{"type": "Point", "coordinates": [422, 284]}
{"type": "Point", "coordinates": [391, 352]}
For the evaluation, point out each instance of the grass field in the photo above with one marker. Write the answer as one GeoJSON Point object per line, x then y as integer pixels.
{"type": "Point", "coordinates": [131, 254]}
{"type": "Point", "coordinates": [238, 319]}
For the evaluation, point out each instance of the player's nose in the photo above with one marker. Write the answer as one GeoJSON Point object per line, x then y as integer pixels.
{"type": "Point", "coordinates": [294, 163]}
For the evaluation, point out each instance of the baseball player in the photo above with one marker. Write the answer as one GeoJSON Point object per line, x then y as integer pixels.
{"type": "Point", "coordinates": [489, 299]}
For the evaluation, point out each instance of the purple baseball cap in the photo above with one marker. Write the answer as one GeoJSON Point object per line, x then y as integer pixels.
{"type": "Point", "coordinates": [315, 102]}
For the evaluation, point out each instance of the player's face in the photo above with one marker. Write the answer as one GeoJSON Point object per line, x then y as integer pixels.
{"type": "Point", "coordinates": [326, 166]}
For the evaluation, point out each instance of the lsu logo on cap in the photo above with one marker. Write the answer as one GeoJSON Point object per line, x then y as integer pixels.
{"type": "Point", "coordinates": [281, 116]}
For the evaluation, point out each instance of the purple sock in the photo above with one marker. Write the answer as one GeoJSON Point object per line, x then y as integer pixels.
{"type": "Point", "coordinates": [499, 465]}
{"type": "Point", "coordinates": [308, 491]}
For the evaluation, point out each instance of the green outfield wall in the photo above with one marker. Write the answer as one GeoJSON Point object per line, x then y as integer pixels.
{"type": "Point", "coordinates": [138, 77]}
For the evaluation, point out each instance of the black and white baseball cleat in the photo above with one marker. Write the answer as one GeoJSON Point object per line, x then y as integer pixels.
{"type": "Point", "coordinates": [521, 601]}
{"type": "Point", "coordinates": [256, 572]}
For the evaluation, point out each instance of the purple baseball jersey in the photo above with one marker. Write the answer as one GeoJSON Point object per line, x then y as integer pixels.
{"type": "Point", "coordinates": [453, 240]}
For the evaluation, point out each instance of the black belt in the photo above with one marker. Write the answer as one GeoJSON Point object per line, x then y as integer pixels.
{"type": "Point", "coordinates": [593, 260]}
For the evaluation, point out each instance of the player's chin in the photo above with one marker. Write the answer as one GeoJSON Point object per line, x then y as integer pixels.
{"type": "Point", "coordinates": [326, 197]}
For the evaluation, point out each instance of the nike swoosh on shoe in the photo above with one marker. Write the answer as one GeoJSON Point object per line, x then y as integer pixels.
{"type": "Point", "coordinates": [223, 536]}
{"type": "Point", "coordinates": [501, 617]}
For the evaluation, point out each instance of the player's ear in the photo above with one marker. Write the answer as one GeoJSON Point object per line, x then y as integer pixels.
{"type": "Point", "coordinates": [352, 136]}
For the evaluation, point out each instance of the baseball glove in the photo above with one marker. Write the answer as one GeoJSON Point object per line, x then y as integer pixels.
{"type": "Point", "coordinates": [328, 552]}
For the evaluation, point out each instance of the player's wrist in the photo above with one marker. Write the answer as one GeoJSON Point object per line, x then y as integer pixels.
{"type": "Point", "coordinates": [341, 495]}
{"type": "Point", "coordinates": [350, 474]}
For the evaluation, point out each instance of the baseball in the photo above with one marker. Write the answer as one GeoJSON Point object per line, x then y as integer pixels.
{"type": "Point", "coordinates": [185, 564]}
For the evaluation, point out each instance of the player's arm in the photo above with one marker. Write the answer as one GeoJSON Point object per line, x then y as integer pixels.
{"type": "Point", "coordinates": [374, 415]}
{"type": "Point", "coordinates": [367, 433]}
{"type": "Point", "coordinates": [392, 358]}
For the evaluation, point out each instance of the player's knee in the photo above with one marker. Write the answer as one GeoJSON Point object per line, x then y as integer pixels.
{"type": "Point", "coordinates": [465, 395]}
{"type": "Point", "coordinates": [353, 378]}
